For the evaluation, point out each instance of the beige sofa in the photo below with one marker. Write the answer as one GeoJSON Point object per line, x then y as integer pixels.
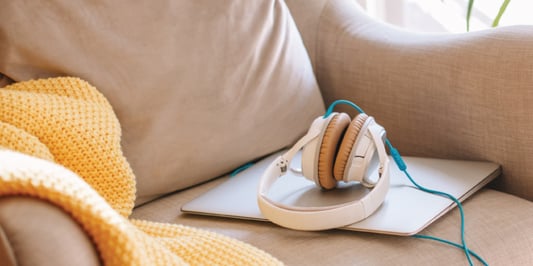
{"type": "Point", "coordinates": [201, 87]}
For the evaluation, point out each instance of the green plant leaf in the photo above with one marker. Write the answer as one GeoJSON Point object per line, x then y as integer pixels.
{"type": "Point", "coordinates": [469, 13]}
{"type": "Point", "coordinates": [500, 13]}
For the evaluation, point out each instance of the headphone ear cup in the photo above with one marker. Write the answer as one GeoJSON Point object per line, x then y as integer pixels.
{"type": "Point", "coordinates": [346, 146]}
{"type": "Point", "coordinates": [328, 149]}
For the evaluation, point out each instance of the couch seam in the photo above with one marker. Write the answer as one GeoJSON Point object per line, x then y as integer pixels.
{"type": "Point", "coordinates": [317, 43]}
{"type": "Point", "coordinates": [4, 242]}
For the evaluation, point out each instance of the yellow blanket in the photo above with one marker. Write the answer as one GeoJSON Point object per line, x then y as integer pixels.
{"type": "Point", "coordinates": [60, 142]}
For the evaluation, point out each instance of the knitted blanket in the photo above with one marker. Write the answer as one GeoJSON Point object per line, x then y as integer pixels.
{"type": "Point", "coordinates": [60, 142]}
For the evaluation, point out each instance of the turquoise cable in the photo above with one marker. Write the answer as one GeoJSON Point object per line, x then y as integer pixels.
{"type": "Point", "coordinates": [332, 105]}
{"type": "Point", "coordinates": [452, 244]}
{"type": "Point", "coordinates": [241, 168]}
{"type": "Point", "coordinates": [403, 167]}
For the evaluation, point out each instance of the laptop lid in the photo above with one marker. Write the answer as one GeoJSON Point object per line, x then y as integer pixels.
{"type": "Point", "coordinates": [405, 211]}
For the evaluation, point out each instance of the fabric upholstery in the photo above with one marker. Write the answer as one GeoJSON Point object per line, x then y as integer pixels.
{"type": "Point", "coordinates": [42, 234]}
{"type": "Point", "coordinates": [200, 87]}
{"type": "Point", "coordinates": [498, 227]}
{"type": "Point", "coordinates": [307, 15]}
{"type": "Point", "coordinates": [461, 96]}
{"type": "Point", "coordinates": [7, 255]}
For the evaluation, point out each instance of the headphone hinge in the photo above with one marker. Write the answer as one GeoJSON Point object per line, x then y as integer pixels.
{"type": "Point", "coordinates": [283, 165]}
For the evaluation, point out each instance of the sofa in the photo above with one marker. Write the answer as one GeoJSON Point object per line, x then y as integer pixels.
{"type": "Point", "coordinates": [203, 87]}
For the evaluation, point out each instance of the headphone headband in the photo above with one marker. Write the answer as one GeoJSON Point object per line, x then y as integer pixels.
{"type": "Point", "coordinates": [313, 132]}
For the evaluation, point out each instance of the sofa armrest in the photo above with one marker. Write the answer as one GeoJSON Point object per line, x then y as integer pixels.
{"type": "Point", "coordinates": [34, 232]}
{"type": "Point", "coordinates": [463, 96]}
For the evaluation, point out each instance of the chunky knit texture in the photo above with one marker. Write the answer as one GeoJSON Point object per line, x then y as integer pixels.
{"type": "Point", "coordinates": [60, 142]}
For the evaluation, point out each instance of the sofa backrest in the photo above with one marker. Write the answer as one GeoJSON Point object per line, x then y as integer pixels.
{"type": "Point", "coordinates": [200, 87]}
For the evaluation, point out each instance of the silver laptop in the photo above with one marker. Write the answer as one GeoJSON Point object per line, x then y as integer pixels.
{"type": "Point", "coordinates": [405, 211]}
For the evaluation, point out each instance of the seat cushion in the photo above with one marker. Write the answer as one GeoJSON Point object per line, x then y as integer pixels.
{"type": "Point", "coordinates": [499, 227]}
{"type": "Point", "coordinates": [200, 87]}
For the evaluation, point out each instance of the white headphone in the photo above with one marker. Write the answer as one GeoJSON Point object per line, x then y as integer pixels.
{"type": "Point", "coordinates": [334, 149]}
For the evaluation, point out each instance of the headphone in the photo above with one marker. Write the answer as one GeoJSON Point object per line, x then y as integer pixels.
{"type": "Point", "coordinates": [335, 149]}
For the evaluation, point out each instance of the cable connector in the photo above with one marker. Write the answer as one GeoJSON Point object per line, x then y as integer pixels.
{"type": "Point", "coordinates": [282, 164]}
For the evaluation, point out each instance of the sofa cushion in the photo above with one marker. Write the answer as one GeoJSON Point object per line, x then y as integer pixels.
{"type": "Point", "coordinates": [499, 227]}
{"type": "Point", "coordinates": [200, 87]}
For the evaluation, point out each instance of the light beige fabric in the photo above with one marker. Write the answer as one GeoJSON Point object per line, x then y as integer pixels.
{"type": "Point", "coordinates": [307, 15]}
{"type": "Point", "coordinates": [498, 227]}
{"type": "Point", "coordinates": [41, 234]}
{"type": "Point", "coordinates": [7, 255]}
{"type": "Point", "coordinates": [462, 96]}
{"type": "Point", "coordinates": [199, 87]}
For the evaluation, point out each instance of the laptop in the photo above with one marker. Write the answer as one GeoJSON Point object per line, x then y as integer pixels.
{"type": "Point", "coordinates": [405, 211]}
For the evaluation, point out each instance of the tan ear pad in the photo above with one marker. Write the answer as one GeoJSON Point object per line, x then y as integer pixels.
{"type": "Point", "coordinates": [328, 149]}
{"type": "Point", "coordinates": [346, 146]}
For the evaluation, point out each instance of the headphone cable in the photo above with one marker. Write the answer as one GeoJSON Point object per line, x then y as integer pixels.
{"type": "Point", "coordinates": [403, 167]}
